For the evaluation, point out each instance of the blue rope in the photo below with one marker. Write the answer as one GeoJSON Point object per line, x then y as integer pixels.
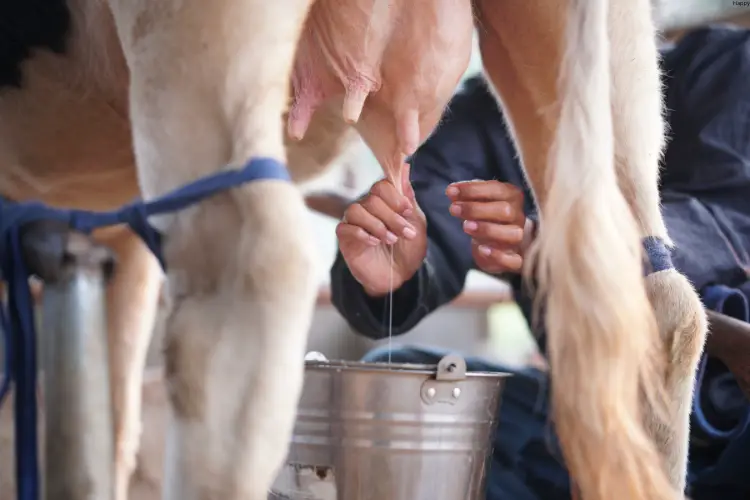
{"type": "Point", "coordinates": [18, 315]}
{"type": "Point", "coordinates": [734, 304]}
{"type": "Point", "coordinates": [703, 421]}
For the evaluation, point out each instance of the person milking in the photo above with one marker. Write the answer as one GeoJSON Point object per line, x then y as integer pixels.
{"type": "Point", "coordinates": [438, 229]}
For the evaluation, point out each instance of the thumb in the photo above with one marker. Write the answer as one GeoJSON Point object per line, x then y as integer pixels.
{"type": "Point", "coordinates": [406, 187]}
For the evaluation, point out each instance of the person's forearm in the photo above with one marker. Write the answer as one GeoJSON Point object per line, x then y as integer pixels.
{"type": "Point", "coordinates": [729, 341]}
{"type": "Point", "coordinates": [371, 316]}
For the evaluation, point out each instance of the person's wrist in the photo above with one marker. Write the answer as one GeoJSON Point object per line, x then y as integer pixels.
{"type": "Point", "coordinates": [397, 282]}
{"type": "Point", "coordinates": [374, 293]}
{"type": "Point", "coordinates": [380, 290]}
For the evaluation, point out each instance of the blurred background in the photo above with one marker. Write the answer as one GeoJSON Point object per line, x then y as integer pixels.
{"type": "Point", "coordinates": [484, 320]}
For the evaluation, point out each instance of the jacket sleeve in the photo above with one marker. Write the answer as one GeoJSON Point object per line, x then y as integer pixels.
{"type": "Point", "coordinates": [460, 149]}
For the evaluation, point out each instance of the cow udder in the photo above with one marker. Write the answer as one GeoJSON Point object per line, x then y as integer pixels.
{"type": "Point", "coordinates": [391, 65]}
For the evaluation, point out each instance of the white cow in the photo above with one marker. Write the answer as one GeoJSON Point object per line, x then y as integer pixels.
{"type": "Point", "coordinates": [151, 94]}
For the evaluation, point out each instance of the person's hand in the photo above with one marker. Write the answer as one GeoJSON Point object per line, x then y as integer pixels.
{"type": "Point", "coordinates": [493, 216]}
{"type": "Point", "coordinates": [381, 220]}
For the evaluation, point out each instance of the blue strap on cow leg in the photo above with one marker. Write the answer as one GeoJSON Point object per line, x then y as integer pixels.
{"type": "Point", "coordinates": [136, 214]}
{"type": "Point", "coordinates": [18, 314]}
{"type": "Point", "coordinates": [658, 256]}
{"type": "Point", "coordinates": [719, 298]}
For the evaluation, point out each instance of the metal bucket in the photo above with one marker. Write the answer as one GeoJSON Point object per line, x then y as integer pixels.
{"type": "Point", "coordinates": [376, 431]}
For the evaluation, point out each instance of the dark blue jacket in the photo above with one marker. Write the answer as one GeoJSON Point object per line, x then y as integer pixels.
{"type": "Point", "coordinates": [706, 205]}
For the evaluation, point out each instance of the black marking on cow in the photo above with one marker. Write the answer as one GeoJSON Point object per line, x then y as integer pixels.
{"type": "Point", "coordinates": [28, 25]}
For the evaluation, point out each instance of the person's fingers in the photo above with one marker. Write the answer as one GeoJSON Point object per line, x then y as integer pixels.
{"type": "Point", "coordinates": [494, 234]}
{"type": "Point", "coordinates": [394, 222]}
{"type": "Point", "coordinates": [357, 215]}
{"type": "Point", "coordinates": [388, 193]}
{"type": "Point", "coordinates": [500, 212]}
{"type": "Point", "coordinates": [377, 219]}
{"type": "Point", "coordinates": [347, 232]}
{"type": "Point", "coordinates": [495, 261]}
{"type": "Point", "coordinates": [484, 191]}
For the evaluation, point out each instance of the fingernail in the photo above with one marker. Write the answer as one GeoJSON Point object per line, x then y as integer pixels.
{"type": "Point", "coordinates": [485, 250]}
{"type": "Point", "coordinates": [470, 225]}
{"type": "Point", "coordinates": [455, 209]}
{"type": "Point", "coordinates": [390, 237]}
{"type": "Point", "coordinates": [409, 233]}
{"type": "Point", "coordinates": [452, 191]}
{"type": "Point", "coordinates": [408, 212]}
{"type": "Point", "coordinates": [372, 240]}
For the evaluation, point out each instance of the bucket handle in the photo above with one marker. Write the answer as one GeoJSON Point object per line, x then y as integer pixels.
{"type": "Point", "coordinates": [451, 367]}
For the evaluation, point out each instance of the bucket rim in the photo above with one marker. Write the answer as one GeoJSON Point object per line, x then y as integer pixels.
{"type": "Point", "coordinates": [392, 368]}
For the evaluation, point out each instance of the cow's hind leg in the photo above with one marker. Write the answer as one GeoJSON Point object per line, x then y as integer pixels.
{"type": "Point", "coordinates": [639, 139]}
{"type": "Point", "coordinates": [550, 63]}
{"type": "Point", "coordinates": [209, 84]}
{"type": "Point", "coordinates": [132, 300]}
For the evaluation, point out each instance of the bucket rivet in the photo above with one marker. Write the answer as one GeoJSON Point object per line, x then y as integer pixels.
{"type": "Point", "coordinates": [431, 392]}
{"type": "Point", "coordinates": [456, 392]}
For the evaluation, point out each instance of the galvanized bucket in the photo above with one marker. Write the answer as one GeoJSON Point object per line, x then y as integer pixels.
{"type": "Point", "coordinates": [376, 431]}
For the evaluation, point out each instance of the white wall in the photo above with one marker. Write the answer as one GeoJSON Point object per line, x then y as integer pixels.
{"type": "Point", "coordinates": [682, 14]}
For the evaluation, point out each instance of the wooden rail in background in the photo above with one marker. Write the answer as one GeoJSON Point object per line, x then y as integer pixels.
{"type": "Point", "coordinates": [468, 299]}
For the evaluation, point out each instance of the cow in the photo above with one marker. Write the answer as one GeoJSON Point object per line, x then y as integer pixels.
{"type": "Point", "coordinates": [106, 100]}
